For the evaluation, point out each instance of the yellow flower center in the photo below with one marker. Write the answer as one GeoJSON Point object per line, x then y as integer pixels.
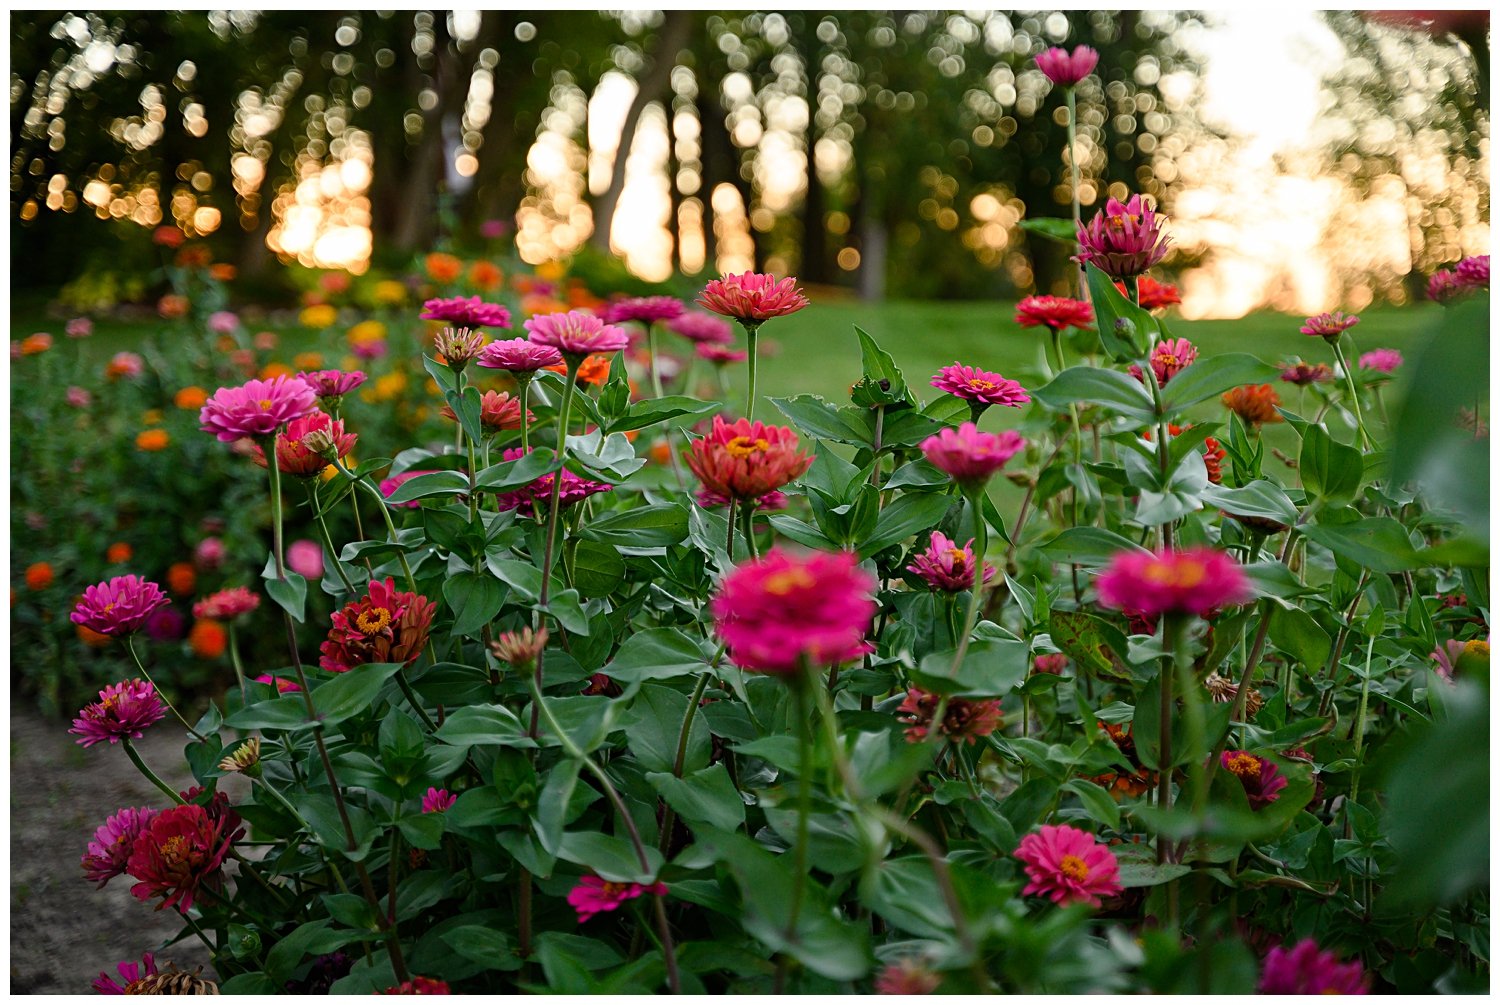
{"type": "Point", "coordinates": [1074, 868]}
{"type": "Point", "coordinates": [374, 620]}
{"type": "Point", "coordinates": [743, 446]}
{"type": "Point", "coordinates": [613, 889]}
{"type": "Point", "coordinates": [979, 384]}
{"type": "Point", "coordinates": [958, 555]}
{"type": "Point", "coordinates": [781, 583]}
{"type": "Point", "coordinates": [1183, 574]}
{"type": "Point", "coordinates": [174, 848]}
{"type": "Point", "coordinates": [1477, 648]}
{"type": "Point", "coordinates": [1245, 765]}
{"type": "Point", "coordinates": [1166, 359]}
{"type": "Point", "coordinates": [265, 404]}
{"type": "Point", "coordinates": [109, 607]}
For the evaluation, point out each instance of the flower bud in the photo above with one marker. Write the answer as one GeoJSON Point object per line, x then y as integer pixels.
{"type": "Point", "coordinates": [246, 758]}
{"type": "Point", "coordinates": [320, 442]}
{"type": "Point", "coordinates": [520, 649]}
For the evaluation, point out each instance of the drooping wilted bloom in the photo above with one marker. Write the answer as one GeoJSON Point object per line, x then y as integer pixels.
{"type": "Point", "coordinates": [970, 456]}
{"type": "Point", "coordinates": [180, 851]}
{"type": "Point", "coordinates": [746, 460]}
{"type": "Point", "coordinates": [1329, 325]}
{"type": "Point", "coordinates": [1303, 374]}
{"type": "Point", "coordinates": [119, 606]}
{"type": "Point", "coordinates": [520, 648]}
{"type": "Point", "coordinates": [386, 625]}
{"type": "Point", "coordinates": [777, 612]}
{"type": "Point", "coordinates": [227, 604]}
{"type": "Point", "coordinates": [945, 566]}
{"type": "Point", "coordinates": [1223, 690]}
{"type": "Point", "coordinates": [594, 896]}
{"type": "Point", "coordinates": [535, 497]}
{"type": "Point", "coordinates": [518, 355]}
{"type": "Point", "coordinates": [1262, 780]}
{"type": "Point", "coordinates": [1123, 240]}
{"type": "Point", "coordinates": [438, 801]}
{"type": "Point", "coordinates": [466, 312]}
{"type": "Point", "coordinates": [108, 853]}
{"type": "Point", "coordinates": [965, 720]}
{"type": "Point", "coordinates": [1056, 313]}
{"type": "Point", "coordinates": [646, 310]}
{"type": "Point", "coordinates": [131, 973]}
{"type": "Point", "coordinates": [1069, 866]}
{"type": "Point", "coordinates": [908, 976]}
{"type": "Point", "coordinates": [1304, 969]}
{"type": "Point", "coordinates": [332, 384]}
{"type": "Point", "coordinates": [1192, 581]}
{"type": "Point", "coordinates": [699, 327]}
{"type": "Point", "coordinates": [1169, 357]}
{"type": "Point", "coordinates": [256, 408]}
{"type": "Point", "coordinates": [174, 982]}
{"type": "Point", "coordinates": [752, 297]}
{"type": "Point", "coordinates": [1381, 361]}
{"type": "Point", "coordinates": [458, 346]}
{"type": "Point", "coordinates": [1064, 68]}
{"type": "Point", "coordinates": [244, 758]}
{"type": "Point", "coordinates": [308, 445]}
{"type": "Point", "coordinates": [576, 334]}
{"type": "Point", "coordinates": [973, 384]}
{"type": "Point", "coordinates": [1255, 404]}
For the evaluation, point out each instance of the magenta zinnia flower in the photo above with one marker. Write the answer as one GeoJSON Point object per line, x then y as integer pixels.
{"type": "Point", "coordinates": [576, 334]}
{"type": "Point", "coordinates": [535, 497]}
{"type": "Point", "coordinates": [1381, 360]}
{"type": "Point", "coordinates": [947, 567]}
{"type": "Point", "coordinates": [256, 408]}
{"type": "Point", "coordinates": [78, 397]}
{"type": "Point", "coordinates": [1053, 663]}
{"type": "Point", "coordinates": [84, 327]}
{"type": "Point", "coordinates": [223, 322]}
{"type": "Point", "coordinates": [1329, 325]}
{"type": "Point", "coordinates": [777, 612]}
{"type": "Point", "coordinates": [118, 607]}
{"type": "Point", "coordinates": [700, 327]}
{"type": "Point", "coordinates": [130, 972]}
{"type": "Point", "coordinates": [969, 456]}
{"type": "Point", "coordinates": [389, 485]}
{"type": "Point", "coordinates": [752, 297]}
{"type": "Point", "coordinates": [594, 896]}
{"type": "Point", "coordinates": [647, 310]}
{"type": "Point", "coordinates": [1069, 865]}
{"type": "Point", "coordinates": [125, 364]}
{"type": "Point", "coordinates": [1474, 272]}
{"type": "Point", "coordinates": [518, 355]}
{"type": "Point", "coordinates": [1262, 780]}
{"type": "Point", "coordinates": [180, 851]}
{"type": "Point", "coordinates": [1444, 285]}
{"type": "Point", "coordinates": [973, 384]}
{"type": "Point", "coordinates": [226, 604]}
{"type": "Point", "coordinates": [123, 712]}
{"type": "Point", "coordinates": [719, 354]}
{"type": "Point", "coordinates": [1064, 69]}
{"type": "Point", "coordinates": [386, 625]}
{"type": "Point", "coordinates": [459, 346]}
{"type": "Point", "coordinates": [109, 852]}
{"type": "Point", "coordinates": [1306, 970]}
{"type": "Point", "coordinates": [1123, 240]}
{"type": "Point", "coordinates": [466, 312]}
{"type": "Point", "coordinates": [709, 499]}
{"type": "Point", "coordinates": [281, 684]}
{"type": "Point", "coordinates": [1193, 581]}
{"type": "Point", "coordinates": [438, 800]}
{"type": "Point", "coordinates": [1169, 358]}
{"type": "Point", "coordinates": [332, 383]}
{"type": "Point", "coordinates": [305, 558]}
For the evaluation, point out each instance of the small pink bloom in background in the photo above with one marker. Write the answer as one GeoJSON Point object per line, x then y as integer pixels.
{"type": "Point", "coordinates": [15, 351]}
{"type": "Point", "coordinates": [1053, 663]}
{"type": "Point", "coordinates": [518, 355]}
{"type": "Point", "coordinates": [752, 297]}
{"type": "Point", "coordinates": [119, 606]}
{"type": "Point", "coordinates": [646, 310]}
{"type": "Point", "coordinates": [369, 349]}
{"type": "Point", "coordinates": [576, 334]}
{"type": "Point", "coordinates": [1123, 240]}
{"type": "Point", "coordinates": [1455, 655]}
{"type": "Point", "coordinates": [906, 977]}
{"type": "Point", "coordinates": [699, 327]}
{"type": "Point", "coordinates": [1068, 865]}
{"type": "Point", "coordinates": [123, 712]}
{"type": "Point", "coordinates": [973, 384]}
{"type": "Point", "coordinates": [458, 346]}
{"type": "Point", "coordinates": [265, 341]}
{"type": "Point", "coordinates": [305, 558]}
{"type": "Point", "coordinates": [1168, 359]}
{"type": "Point", "coordinates": [1262, 780]}
{"type": "Point", "coordinates": [108, 853]}
{"type": "Point", "coordinates": [125, 364]}
{"type": "Point", "coordinates": [1381, 360]}
{"type": "Point", "coordinates": [165, 625]}
{"type": "Point", "coordinates": [281, 684]}
{"type": "Point", "coordinates": [970, 456]}
{"type": "Point", "coordinates": [594, 896]}
{"type": "Point", "coordinates": [226, 604]}
{"type": "Point", "coordinates": [1474, 272]}
{"type": "Point", "coordinates": [130, 971]}
{"type": "Point", "coordinates": [1303, 374]}
{"type": "Point", "coordinates": [223, 322]}
{"type": "Point", "coordinates": [1066, 69]}
{"type": "Point", "coordinates": [79, 328]}
{"type": "Point", "coordinates": [493, 230]}
{"type": "Point", "coordinates": [777, 612]}
{"type": "Point", "coordinates": [209, 554]}
{"type": "Point", "coordinates": [78, 397]}
{"type": "Point", "coordinates": [719, 354]}
{"type": "Point", "coordinates": [1192, 581]}
{"type": "Point", "coordinates": [1306, 970]}
{"type": "Point", "coordinates": [945, 566]}
{"type": "Point", "coordinates": [256, 408]}
{"type": "Point", "coordinates": [467, 312]}
{"type": "Point", "coordinates": [965, 720]}
{"type": "Point", "coordinates": [334, 282]}
{"type": "Point", "coordinates": [332, 383]}
{"type": "Point", "coordinates": [536, 497]}
{"type": "Point", "coordinates": [394, 482]}
{"type": "Point", "coordinates": [438, 800]}
{"type": "Point", "coordinates": [520, 648]}
{"type": "Point", "coordinates": [1329, 325]}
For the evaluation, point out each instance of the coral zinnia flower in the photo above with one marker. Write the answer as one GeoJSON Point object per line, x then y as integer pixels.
{"type": "Point", "coordinates": [745, 460]}
{"type": "Point", "coordinates": [973, 384]}
{"type": "Point", "coordinates": [536, 497]}
{"type": "Point", "coordinates": [438, 800]}
{"type": "Point", "coordinates": [576, 334]}
{"type": "Point", "coordinates": [466, 312]}
{"type": "Point", "coordinates": [130, 971]}
{"type": "Point", "coordinates": [965, 720]}
{"type": "Point", "coordinates": [207, 639]}
{"type": "Point", "coordinates": [498, 410]}
{"type": "Point", "coordinates": [1065, 69]}
{"type": "Point", "coordinates": [256, 408]}
{"type": "Point", "coordinates": [752, 297]}
{"type": "Point", "coordinates": [1068, 865]}
{"type": "Point", "coordinates": [1213, 452]}
{"type": "Point", "coordinates": [906, 977]}
{"type": "Point", "coordinates": [119, 606]}
{"type": "Point", "coordinates": [1381, 360]}
{"type": "Point", "coordinates": [1153, 295]}
{"type": "Point", "coordinates": [1329, 326]}
{"type": "Point", "coordinates": [593, 370]}
{"type": "Point", "coordinates": [332, 384]}
{"type": "Point", "coordinates": [777, 611]}
{"type": "Point", "coordinates": [969, 456]}
{"type": "Point", "coordinates": [947, 567]}
{"type": "Point", "coordinates": [78, 397]}
{"type": "Point", "coordinates": [1303, 374]}
{"type": "Point", "coordinates": [1168, 358]}
{"type": "Point", "coordinates": [384, 626]}
{"type": "Point", "coordinates": [442, 267]}
{"type": "Point", "coordinates": [720, 355]}
{"type": "Point", "coordinates": [518, 355]}
{"type": "Point", "coordinates": [109, 852]}
{"type": "Point", "coordinates": [1056, 313]}
{"type": "Point", "coordinates": [302, 449]}
{"type": "Point", "coordinates": [1123, 240]}
{"type": "Point", "coordinates": [1306, 970]}
{"type": "Point", "coordinates": [32, 345]}
{"type": "Point", "coordinates": [124, 364]}
{"type": "Point", "coordinates": [1261, 779]}
{"type": "Point", "coordinates": [646, 310]}
{"type": "Point", "coordinates": [594, 896]}
{"type": "Point", "coordinates": [1053, 663]}
{"type": "Point", "coordinates": [699, 327]}
{"type": "Point", "coordinates": [1255, 404]}
{"type": "Point", "coordinates": [419, 986]}
{"type": "Point", "coordinates": [181, 850]}
{"type": "Point", "coordinates": [1192, 581]}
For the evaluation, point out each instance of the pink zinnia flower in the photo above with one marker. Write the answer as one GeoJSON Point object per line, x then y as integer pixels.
{"type": "Point", "coordinates": [264, 341]}
{"type": "Point", "coordinates": [1262, 780]}
{"type": "Point", "coordinates": [965, 720]}
{"type": "Point", "coordinates": [700, 327]}
{"type": "Point", "coordinates": [594, 896]}
{"type": "Point", "coordinates": [1306, 970]}
{"type": "Point", "coordinates": [209, 554]}
{"type": "Point", "coordinates": [123, 712]}
{"type": "Point", "coordinates": [947, 567]}
{"type": "Point", "coordinates": [130, 972]}
{"type": "Point", "coordinates": [466, 312]}
{"type": "Point", "coordinates": [1474, 272]}
{"type": "Point", "coordinates": [536, 497]}
{"type": "Point", "coordinates": [776, 612]}
{"type": "Point", "coordinates": [368, 349]}
{"type": "Point", "coordinates": [1448, 655]}
{"type": "Point", "coordinates": [982, 386]}
{"type": "Point", "coordinates": [1303, 374]}
{"type": "Point", "coordinates": [1123, 240]}
{"type": "Point", "coordinates": [302, 448]}
{"type": "Point", "coordinates": [719, 354]}
{"type": "Point", "coordinates": [1381, 360]}
{"type": "Point", "coordinates": [1329, 325]}
{"type": "Point", "coordinates": [1193, 581]}
{"type": "Point", "coordinates": [386, 625]}
{"type": "Point", "coordinates": [180, 851]}
{"type": "Point", "coordinates": [438, 800]}
{"type": "Point", "coordinates": [1444, 285]}
{"type": "Point", "coordinates": [223, 322]}
{"type": "Point", "coordinates": [752, 297]}
{"type": "Point", "coordinates": [1053, 663]}
{"type": "Point", "coordinates": [576, 334]}
{"type": "Point", "coordinates": [1056, 313]}
{"type": "Point", "coordinates": [1169, 358]}
{"type": "Point", "coordinates": [646, 310]}
{"type": "Point", "coordinates": [226, 604]}
{"type": "Point", "coordinates": [125, 364]}
{"type": "Point", "coordinates": [492, 230]}
{"type": "Point", "coordinates": [256, 408]}
{"type": "Point", "coordinates": [305, 558]}
{"type": "Point", "coordinates": [520, 648]}
{"type": "Point", "coordinates": [119, 606]}
{"type": "Point", "coordinates": [1066, 69]}
{"type": "Point", "coordinates": [1068, 865]}
{"type": "Point", "coordinates": [389, 485]}
{"type": "Point", "coordinates": [745, 460]}
{"type": "Point", "coordinates": [109, 852]}
{"type": "Point", "coordinates": [969, 456]}
{"type": "Point", "coordinates": [518, 355]}
{"type": "Point", "coordinates": [79, 328]}
{"type": "Point", "coordinates": [78, 397]}
{"type": "Point", "coordinates": [332, 383]}
{"type": "Point", "coordinates": [281, 684]}
{"type": "Point", "coordinates": [709, 499]}
{"type": "Point", "coordinates": [906, 977]}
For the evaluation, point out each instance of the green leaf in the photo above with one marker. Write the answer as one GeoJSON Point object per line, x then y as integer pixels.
{"type": "Point", "coordinates": [475, 598]}
{"type": "Point", "coordinates": [437, 483]}
{"type": "Point", "coordinates": [654, 410]}
{"type": "Point", "coordinates": [1100, 804]}
{"type": "Point", "coordinates": [482, 724]}
{"type": "Point", "coordinates": [1295, 632]}
{"type": "Point", "coordinates": [290, 593]}
{"type": "Point", "coordinates": [1123, 326]}
{"type": "Point", "coordinates": [488, 947]}
{"type": "Point", "coordinates": [816, 417]}
{"type": "Point", "coordinates": [1053, 228]}
{"type": "Point", "coordinates": [1330, 471]}
{"type": "Point", "coordinates": [1090, 546]}
{"type": "Point", "coordinates": [352, 692]}
{"type": "Point", "coordinates": [878, 366]}
{"type": "Point", "coordinates": [1092, 643]}
{"type": "Point", "coordinates": [653, 526]}
{"type": "Point", "coordinates": [1090, 385]}
{"type": "Point", "coordinates": [1260, 498]}
{"type": "Point", "coordinates": [1142, 873]}
{"type": "Point", "coordinates": [653, 728]}
{"type": "Point", "coordinates": [509, 475]}
{"type": "Point", "coordinates": [288, 712]}
{"type": "Point", "coordinates": [1211, 375]}
{"type": "Point", "coordinates": [989, 670]}
{"type": "Point", "coordinates": [910, 513]}
{"type": "Point", "coordinates": [423, 830]}
{"type": "Point", "coordinates": [1379, 544]}
{"type": "Point", "coordinates": [612, 858]}
{"type": "Point", "coordinates": [598, 568]}
{"type": "Point", "coordinates": [566, 608]}
{"type": "Point", "coordinates": [657, 654]}
{"type": "Point", "coordinates": [707, 796]}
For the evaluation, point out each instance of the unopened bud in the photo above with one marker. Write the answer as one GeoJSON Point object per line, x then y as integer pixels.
{"type": "Point", "coordinates": [520, 649]}
{"type": "Point", "coordinates": [320, 442]}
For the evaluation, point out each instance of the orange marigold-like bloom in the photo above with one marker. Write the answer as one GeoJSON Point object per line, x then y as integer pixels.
{"type": "Point", "coordinates": [168, 236]}
{"type": "Point", "coordinates": [152, 440]}
{"type": "Point", "coordinates": [38, 343]}
{"type": "Point", "coordinates": [172, 306]}
{"type": "Point", "coordinates": [745, 460]}
{"type": "Point", "coordinates": [443, 268]}
{"type": "Point", "coordinates": [223, 272]}
{"type": "Point", "coordinates": [191, 398]}
{"type": "Point", "coordinates": [273, 370]}
{"type": "Point", "coordinates": [181, 578]}
{"type": "Point", "coordinates": [39, 576]}
{"type": "Point", "coordinates": [118, 552]}
{"type": "Point", "coordinates": [208, 639]}
{"type": "Point", "coordinates": [308, 361]}
{"type": "Point", "coordinates": [1255, 404]}
{"type": "Point", "coordinates": [594, 370]}
{"type": "Point", "coordinates": [194, 257]}
{"type": "Point", "coordinates": [485, 275]}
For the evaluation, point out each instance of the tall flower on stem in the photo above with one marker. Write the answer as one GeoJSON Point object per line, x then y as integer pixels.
{"type": "Point", "coordinates": [1330, 327]}
{"type": "Point", "coordinates": [1123, 240]}
{"type": "Point", "coordinates": [743, 461]}
{"type": "Point", "coordinates": [752, 298]}
{"type": "Point", "coordinates": [123, 712]}
{"type": "Point", "coordinates": [980, 388]}
{"type": "Point", "coordinates": [522, 358]}
{"type": "Point", "coordinates": [1065, 70]}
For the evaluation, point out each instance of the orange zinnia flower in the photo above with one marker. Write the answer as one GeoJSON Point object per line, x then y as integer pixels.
{"type": "Point", "coordinates": [152, 440]}
{"type": "Point", "coordinates": [485, 275]}
{"type": "Point", "coordinates": [191, 398]}
{"type": "Point", "coordinates": [118, 552]}
{"type": "Point", "coordinates": [181, 578]}
{"type": "Point", "coordinates": [208, 639]}
{"type": "Point", "coordinates": [1254, 404]}
{"type": "Point", "coordinates": [443, 268]}
{"type": "Point", "coordinates": [39, 576]}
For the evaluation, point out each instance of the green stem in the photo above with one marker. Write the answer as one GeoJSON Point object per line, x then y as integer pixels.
{"type": "Point", "coordinates": [1359, 722]}
{"type": "Point", "coordinates": [523, 382]}
{"type": "Point", "coordinates": [800, 685]}
{"type": "Point", "coordinates": [234, 661]}
{"type": "Point", "coordinates": [1359, 415]}
{"type": "Point", "coordinates": [747, 525]}
{"type": "Point", "coordinates": [130, 647]}
{"type": "Point", "coordinates": [975, 495]}
{"type": "Point", "coordinates": [752, 331]}
{"type": "Point", "coordinates": [151, 776]}
{"type": "Point", "coordinates": [327, 538]}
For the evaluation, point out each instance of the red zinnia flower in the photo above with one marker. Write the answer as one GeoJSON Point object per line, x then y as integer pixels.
{"type": "Point", "coordinates": [497, 410]}
{"type": "Point", "coordinates": [1474, 272]}
{"type": "Point", "coordinates": [282, 684]}
{"type": "Point", "coordinates": [1069, 865]}
{"type": "Point", "coordinates": [906, 977]}
{"type": "Point", "coordinates": [1168, 358]}
{"type": "Point", "coordinates": [752, 297]}
{"type": "Point", "coordinates": [1381, 361]}
{"type": "Point", "coordinates": [384, 626]}
{"type": "Point", "coordinates": [520, 648]}
{"type": "Point", "coordinates": [130, 971]}
{"type": "Point", "coordinates": [1192, 581]}
{"type": "Point", "coordinates": [438, 800]}
{"type": "Point", "coordinates": [1153, 295]}
{"type": "Point", "coordinates": [1329, 326]}
{"type": "Point", "coordinates": [745, 460]}
{"type": "Point", "coordinates": [776, 612]}
{"type": "Point", "coordinates": [226, 604]}
{"type": "Point", "coordinates": [964, 719]}
{"type": "Point", "coordinates": [720, 355]}
{"type": "Point", "coordinates": [1053, 663]}
{"type": "Point", "coordinates": [1056, 313]}
{"type": "Point", "coordinates": [518, 355]}
{"type": "Point", "coordinates": [419, 986]}
{"type": "Point", "coordinates": [594, 896]}
{"type": "Point", "coordinates": [1123, 240]}
{"type": "Point", "coordinates": [1303, 374]}
{"type": "Point", "coordinates": [181, 850]}
{"type": "Point", "coordinates": [332, 384]}
{"type": "Point", "coordinates": [302, 448]}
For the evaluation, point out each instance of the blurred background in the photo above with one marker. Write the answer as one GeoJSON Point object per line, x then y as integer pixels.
{"type": "Point", "coordinates": [1307, 160]}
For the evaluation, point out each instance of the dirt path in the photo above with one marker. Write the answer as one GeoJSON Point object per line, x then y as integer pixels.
{"type": "Point", "coordinates": [62, 930]}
